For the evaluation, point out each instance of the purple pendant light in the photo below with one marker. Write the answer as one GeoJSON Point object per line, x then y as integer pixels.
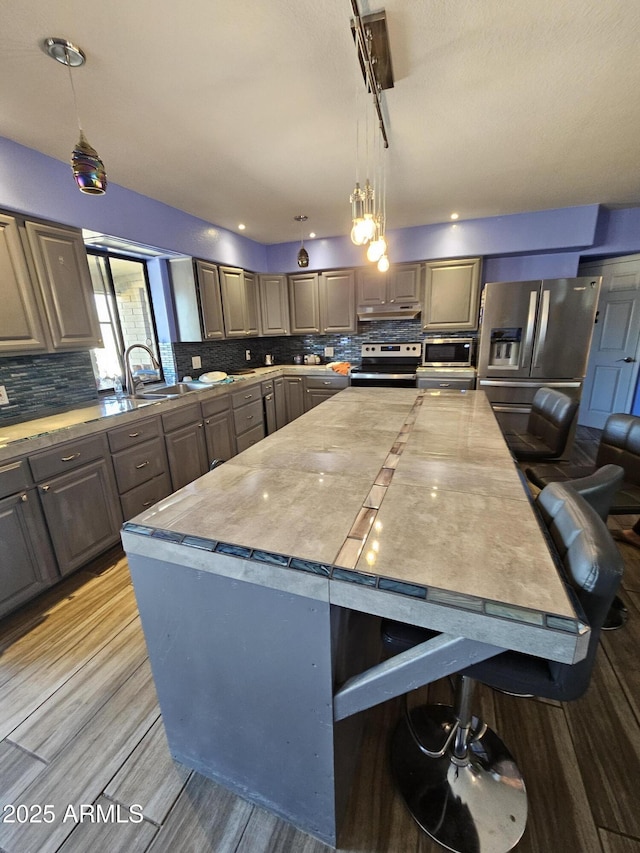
{"type": "Point", "coordinates": [88, 168]}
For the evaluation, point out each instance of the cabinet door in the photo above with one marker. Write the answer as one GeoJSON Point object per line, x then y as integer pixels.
{"type": "Point", "coordinates": [210, 300]}
{"type": "Point", "coordinates": [294, 393]}
{"type": "Point", "coordinates": [250, 304]}
{"type": "Point", "coordinates": [337, 301]}
{"type": "Point", "coordinates": [304, 306]}
{"type": "Point", "coordinates": [404, 283]}
{"type": "Point", "coordinates": [451, 295]}
{"type": "Point", "coordinates": [232, 289]}
{"type": "Point", "coordinates": [372, 287]}
{"type": "Point", "coordinates": [27, 564]}
{"type": "Point", "coordinates": [270, 413]}
{"type": "Point", "coordinates": [83, 513]}
{"type": "Point", "coordinates": [21, 327]}
{"type": "Point", "coordinates": [61, 265]}
{"type": "Point", "coordinates": [281, 402]}
{"type": "Point", "coordinates": [274, 305]}
{"type": "Point", "coordinates": [315, 396]}
{"type": "Point", "coordinates": [220, 436]}
{"type": "Point", "coordinates": [187, 454]}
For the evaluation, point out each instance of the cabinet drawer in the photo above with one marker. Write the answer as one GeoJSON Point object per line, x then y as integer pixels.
{"type": "Point", "coordinates": [215, 405]}
{"type": "Point", "coordinates": [337, 382]}
{"type": "Point", "coordinates": [247, 417]}
{"type": "Point", "coordinates": [267, 387]}
{"type": "Point", "coordinates": [251, 437]}
{"type": "Point", "coordinates": [67, 456]}
{"type": "Point", "coordinates": [139, 464]}
{"type": "Point", "coordinates": [14, 477]}
{"type": "Point", "coordinates": [247, 395]}
{"type": "Point", "coordinates": [145, 495]}
{"type": "Point", "coordinates": [444, 384]}
{"type": "Point", "coordinates": [133, 433]}
{"type": "Point", "coordinates": [181, 417]}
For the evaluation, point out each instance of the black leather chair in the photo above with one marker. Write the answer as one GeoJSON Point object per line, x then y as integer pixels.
{"type": "Point", "coordinates": [548, 427]}
{"type": "Point", "coordinates": [456, 776]}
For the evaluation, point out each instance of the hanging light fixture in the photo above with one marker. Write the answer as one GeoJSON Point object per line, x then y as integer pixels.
{"type": "Point", "coordinates": [303, 255]}
{"type": "Point", "coordinates": [88, 168]}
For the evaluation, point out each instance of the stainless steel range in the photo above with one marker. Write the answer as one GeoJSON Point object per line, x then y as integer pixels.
{"type": "Point", "coordinates": [387, 365]}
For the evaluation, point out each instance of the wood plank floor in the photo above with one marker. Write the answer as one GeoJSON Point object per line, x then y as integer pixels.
{"type": "Point", "coordinates": [83, 751]}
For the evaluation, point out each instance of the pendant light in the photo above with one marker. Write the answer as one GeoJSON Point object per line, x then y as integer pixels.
{"type": "Point", "coordinates": [88, 168]}
{"type": "Point", "coordinates": [303, 255]}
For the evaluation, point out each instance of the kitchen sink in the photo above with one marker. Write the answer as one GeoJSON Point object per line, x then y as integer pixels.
{"type": "Point", "coordinates": [163, 391]}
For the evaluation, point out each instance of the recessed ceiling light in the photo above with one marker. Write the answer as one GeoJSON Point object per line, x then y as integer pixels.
{"type": "Point", "coordinates": [455, 215]}
{"type": "Point", "coordinates": [312, 234]}
{"type": "Point", "coordinates": [241, 226]}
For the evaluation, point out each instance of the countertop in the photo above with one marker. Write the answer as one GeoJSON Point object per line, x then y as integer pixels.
{"type": "Point", "coordinates": [400, 502]}
{"type": "Point", "coordinates": [36, 434]}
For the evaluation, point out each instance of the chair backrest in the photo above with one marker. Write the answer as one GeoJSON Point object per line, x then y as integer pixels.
{"type": "Point", "coordinates": [620, 445]}
{"type": "Point", "coordinates": [551, 417]}
{"type": "Point", "coordinates": [600, 488]}
{"type": "Point", "coordinates": [593, 567]}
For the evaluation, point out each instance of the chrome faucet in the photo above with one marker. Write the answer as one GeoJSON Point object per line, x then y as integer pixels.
{"type": "Point", "coordinates": [132, 385]}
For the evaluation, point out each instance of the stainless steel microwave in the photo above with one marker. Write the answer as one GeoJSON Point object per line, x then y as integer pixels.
{"type": "Point", "coordinates": [448, 352]}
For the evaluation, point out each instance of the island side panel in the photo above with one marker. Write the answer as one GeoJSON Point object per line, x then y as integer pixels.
{"type": "Point", "coordinates": [245, 684]}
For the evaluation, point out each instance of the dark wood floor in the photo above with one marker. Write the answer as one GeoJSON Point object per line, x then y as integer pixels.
{"type": "Point", "coordinates": [82, 745]}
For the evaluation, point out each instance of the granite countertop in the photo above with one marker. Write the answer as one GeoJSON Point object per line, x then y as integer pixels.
{"type": "Point", "coordinates": [32, 435]}
{"type": "Point", "coordinates": [400, 490]}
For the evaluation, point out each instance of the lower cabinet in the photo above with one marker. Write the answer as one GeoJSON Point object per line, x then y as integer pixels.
{"type": "Point", "coordinates": [280, 402]}
{"type": "Point", "coordinates": [320, 388]}
{"type": "Point", "coordinates": [79, 498]}
{"type": "Point", "coordinates": [185, 444]}
{"type": "Point", "coordinates": [248, 416]}
{"type": "Point", "coordinates": [27, 563]}
{"type": "Point", "coordinates": [294, 396]}
{"type": "Point", "coordinates": [450, 384]}
{"type": "Point", "coordinates": [219, 430]}
{"type": "Point", "coordinates": [269, 399]}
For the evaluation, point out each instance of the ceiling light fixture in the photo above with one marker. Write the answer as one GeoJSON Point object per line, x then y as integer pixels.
{"type": "Point", "coordinates": [241, 226]}
{"type": "Point", "coordinates": [88, 168]}
{"type": "Point", "coordinates": [303, 255]}
{"type": "Point", "coordinates": [455, 215]}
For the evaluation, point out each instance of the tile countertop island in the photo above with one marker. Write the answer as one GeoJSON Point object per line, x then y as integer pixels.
{"type": "Point", "coordinates": [260, 586]}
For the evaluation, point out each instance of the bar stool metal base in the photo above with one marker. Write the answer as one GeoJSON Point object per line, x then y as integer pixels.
{"type": "Point", "coordinates": [616, 617]}
{"type": "Point", "coordinates": [477, 804]}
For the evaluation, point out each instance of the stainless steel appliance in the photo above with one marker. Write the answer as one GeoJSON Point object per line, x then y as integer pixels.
{"type": "Point", "coordinates": [387, 365]}
{"type": "Point", "coordinates": [447, 352]}
{"type": "Point", "coordinates": [534, 333]}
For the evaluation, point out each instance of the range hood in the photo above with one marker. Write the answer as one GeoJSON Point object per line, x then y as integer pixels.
{"type": "Point", "coordinates": [389, 311]}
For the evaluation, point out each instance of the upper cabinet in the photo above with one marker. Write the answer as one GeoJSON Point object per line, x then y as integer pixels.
{"type": "Point", "coordinates": [274, 305]}
{"type": "Point", "coordinates": [210, 301]}
{"type": "Point", "coordinates": [48, 303]}
{"type": "Point", "coordinates": [197, 300]}
{"type": "Point", "coordinates": [451, 295]}
{"type": "Point", "coordinates": [322, 304]}
{"type": "Point", "coordinates": [239, 302]}
{"type": "Point", "coordinates": [400, 284]}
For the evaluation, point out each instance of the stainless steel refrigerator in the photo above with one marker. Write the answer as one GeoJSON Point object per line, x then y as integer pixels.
{"type": "Point", "coordinates": [534, 333]}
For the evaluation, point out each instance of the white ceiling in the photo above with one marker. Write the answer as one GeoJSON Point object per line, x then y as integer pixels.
{"type": "Point", "coordinates": [244, 111]}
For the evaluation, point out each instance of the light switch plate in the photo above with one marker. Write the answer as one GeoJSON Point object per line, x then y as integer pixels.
{"type": "Point", "coordinates": [196, 361]}
{"type": "Point", "coordinates": [328, 351]}
{"type": "Point", "coordinates": [4, 400]}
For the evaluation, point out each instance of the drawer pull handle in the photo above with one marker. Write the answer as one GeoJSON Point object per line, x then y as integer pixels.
{"type": "Point", "coordinates": [249, 417]}
{"type": "Point", "coordinates": [327, 382]}
{"type": "Point", "coordinates": [24, 498]}
{"type": "Point", "coordinates": [445, 385]}
{"type": "Point", "coordinates": [69, 458]}
{"type": "Point", "coordinates": [146, 503]}
{"type": "Point", "coordinates": [134, 434]}
{"type": "Point", "coordinates": [248, 396]}
{"type": "Point", "coordinates": [45, 488]}
{"type": "Point", "coordinates": [143, 464]}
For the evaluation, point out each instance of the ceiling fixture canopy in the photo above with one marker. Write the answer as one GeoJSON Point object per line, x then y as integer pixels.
{"type": "Point", "coordinates": [303, 255]}
{"type": "Point", "coordinates": [88, 168]}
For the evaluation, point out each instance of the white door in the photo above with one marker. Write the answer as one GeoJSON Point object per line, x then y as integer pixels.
{"type": "Point", "coordinates": [612, 370]}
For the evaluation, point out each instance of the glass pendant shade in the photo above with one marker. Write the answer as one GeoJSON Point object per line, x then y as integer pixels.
{"type": "Point", "coordinates": [88, 168]}
{"type": "Point", "coordinates": [377, 248]}
{"type": "Point", "coordinates": [303, 257]}
{"type": "Point", "coordinates": [383, 263]}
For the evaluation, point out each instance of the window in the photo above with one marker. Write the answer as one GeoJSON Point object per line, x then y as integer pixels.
{"type": "Point", "coordinates": [121, 291]}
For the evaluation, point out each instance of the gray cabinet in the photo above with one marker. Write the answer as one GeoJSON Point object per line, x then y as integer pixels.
{"type": "Point", "coordinates": [219, 429]}
{"type": "Point", "coordinates": [317, 389]}
{"type": "Point", "coordinates": [60, 261]}
{"type": "Point", "coordinates": [21, 326]}
{"type": "Point", "coordinates": [274, 305]}
{"type": "Point", "coordinates": [337, 301]}
{"type": "Point", "coordinates": [248, 416]}
{"type": "Point", "coordinates": [239, 302]}
{"type": "Point", "coordinates": [400, 284]}
{"type": "Point", "coordinates": [210, 300]}
{"type": "Point", "coordinates": [294, 397]}
{"type": "Point", "coordinates": [280, 402]}
{"type": "Point", "coordinates": [195, 287]}
{"type": "Point", "coordinates": [27, 564]}
{"type": "Point", "coordinates": [185, 444]}
{"type": "Point", "coordinates": [48, 302]}
{"type": "Point", "coordinates": [140, 465]}
{"type": "Point", "coordinates": [304, 304]}
{"type": "Point", "coordinates": [446, 383]}
{"type": "Point", "coordinates": [451, 295]}
{"type": "Point", "coordinates": [79, 498]}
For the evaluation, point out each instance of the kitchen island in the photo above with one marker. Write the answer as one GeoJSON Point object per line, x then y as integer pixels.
{"type": "Point", "coordinates": [261, 584]}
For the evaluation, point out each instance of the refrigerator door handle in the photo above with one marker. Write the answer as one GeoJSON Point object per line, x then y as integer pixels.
{"type": "Point", "coordinates": [544, 325]}
{"type": "Point", "coordinates": [531, 320]}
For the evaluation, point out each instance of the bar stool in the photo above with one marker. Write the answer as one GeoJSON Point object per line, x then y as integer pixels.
{"type": "Point", "coordinates": [548, 427]}
{"type": "Point", "coordinates": [458, 779]}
